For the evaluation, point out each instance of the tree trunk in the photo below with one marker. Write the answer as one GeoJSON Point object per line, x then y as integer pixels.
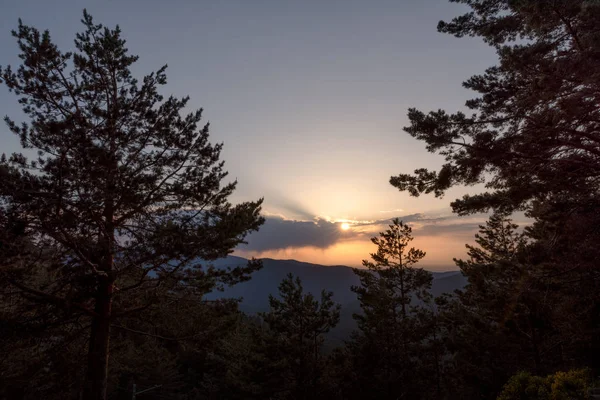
{"type": "Point", "coordinates": [437, 362]}
{"type": "Point", "coordinates": [535, 346]}
{"type": "Point", "coordinates": [315, 367]}
{"type": "Point", "coordinates": [97, 369]}
{"type": "Point", "coordinates": [536, 353]}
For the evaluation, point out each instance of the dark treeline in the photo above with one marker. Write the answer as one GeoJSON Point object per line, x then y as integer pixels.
{"type": "Point", "coordinates": [118, 195]}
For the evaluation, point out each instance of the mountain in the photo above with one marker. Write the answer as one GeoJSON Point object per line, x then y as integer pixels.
{"type": "Point", "coordinates": [315, 278]}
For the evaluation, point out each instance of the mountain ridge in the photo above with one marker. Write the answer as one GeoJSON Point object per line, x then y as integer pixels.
{"type": "Point", "coordinates": [254, 294]}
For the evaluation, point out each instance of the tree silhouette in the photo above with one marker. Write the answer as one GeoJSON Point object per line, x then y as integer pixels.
{"type": "Point", "coordinates": [119, 194]}
{"type": "Point", "coordinates": [389, 325]}
{"type": "Point", "coordinates": [503, 320]}
{"type": "Point", "coordinates": [298, 323]}
{"type": "Point", "coordinates": [533, 131]}
{"type": "Point", "coordinates": [532, 137]}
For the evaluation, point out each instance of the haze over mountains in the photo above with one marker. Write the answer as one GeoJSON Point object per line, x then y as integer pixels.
{"type": "Point", "coordinates": [315, 278]}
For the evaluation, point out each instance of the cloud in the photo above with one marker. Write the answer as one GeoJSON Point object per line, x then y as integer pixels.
{"type": "Point", "coordinates": [280, 233]}
{"type": "Point", "coordinates": [444, 225]}
{"type": "Point", "coordinates": [391, 211]}
{"type": "Point", "coordinates": [408, 219]}
{"type": "Point", "coordinates": [454, 229]}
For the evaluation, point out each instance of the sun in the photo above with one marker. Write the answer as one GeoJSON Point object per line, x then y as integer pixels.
{"type": "Point", "coordinates": [345, 226]}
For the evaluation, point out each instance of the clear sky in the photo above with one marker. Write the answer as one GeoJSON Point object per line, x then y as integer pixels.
{"type": "Point", "coordinates": [309, 97]}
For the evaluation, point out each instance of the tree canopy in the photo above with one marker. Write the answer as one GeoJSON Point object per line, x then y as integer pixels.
{"type": "Point", "coordinates": [533, 130]}
{"type": "Point", "coordinates": [118, 195]}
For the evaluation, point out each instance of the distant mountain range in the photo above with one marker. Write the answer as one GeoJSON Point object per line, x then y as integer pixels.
{"type": "Point", "coordinates": [315, 278]}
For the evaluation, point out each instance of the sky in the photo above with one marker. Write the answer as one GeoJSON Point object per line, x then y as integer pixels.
{"type": "Point", "coordinates": [308, 97]}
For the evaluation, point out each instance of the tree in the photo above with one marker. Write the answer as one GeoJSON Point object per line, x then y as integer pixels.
{"type": "Point", "coordinates": [125, 195]}
{"type": "Point", "coordinates": [390, 334]}
{"type": "Point", "coordinates": [534, 130]}
{"type": "Point", "coordinates": [240, 367]}
{"type": "Point", "coordinates": [298, 323]}
{"type": "Point", "coordinates": [504, 320]}
{"type": "Point", "coordinates": [570, 385]}
{"type": "Point", "coordinates": [172, 345]}
{"type": "Point", "coordinates": [532, 136]}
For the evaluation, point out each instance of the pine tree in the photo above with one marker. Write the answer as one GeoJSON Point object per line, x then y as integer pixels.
{"type": "Point", "coordinates": [298, 323]}
{"type": "Point", "coordinates": [504, 313]}
{"type": "Point", "coordinates": [389, 328]}
{"type": "Point", "coordinates": [122, 194]}
{"type": "Point", "coordinates": [532, 136]}
{"type": "Point", "coordinates": [533, 132]}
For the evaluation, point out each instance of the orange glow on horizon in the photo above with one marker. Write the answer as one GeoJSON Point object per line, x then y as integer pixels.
{"type": "Point", "coordinates": [439, 249]}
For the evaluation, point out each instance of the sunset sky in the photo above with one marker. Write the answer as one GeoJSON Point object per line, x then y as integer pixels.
{"type": "Point", "coordinates": [309, 97]}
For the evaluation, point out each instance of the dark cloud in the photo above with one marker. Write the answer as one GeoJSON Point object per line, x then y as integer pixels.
{"type": "Point", "coordinates": [278, 233]}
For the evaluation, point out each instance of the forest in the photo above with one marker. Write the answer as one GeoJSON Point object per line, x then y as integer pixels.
{"type": "Point", "coordinates": [113, 213]}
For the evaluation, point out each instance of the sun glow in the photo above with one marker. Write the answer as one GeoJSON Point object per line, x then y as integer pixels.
{"type": "Point", "coordinates": [345, 226]}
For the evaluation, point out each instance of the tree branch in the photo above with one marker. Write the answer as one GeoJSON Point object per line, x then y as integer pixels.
{"type": "Point", "coordinates": [58, 301]}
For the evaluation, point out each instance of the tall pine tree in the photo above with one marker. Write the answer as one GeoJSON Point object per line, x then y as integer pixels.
{"type": "Point", "coordinates": [118, 191]}
{"type": "Point", "coordinates": [298, 322]}
{"type": "Point", "coordinates": [534, 129]}
{"type": "Point", "coordinates": [504, 320]}
{"type": "Point", "coordinates": [389, 338]}
{"type": "Point", "coordinates": [532, 136]}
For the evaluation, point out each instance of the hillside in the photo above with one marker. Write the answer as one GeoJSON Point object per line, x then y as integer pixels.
{"type": "Point", "coordinates": [315, 278]}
